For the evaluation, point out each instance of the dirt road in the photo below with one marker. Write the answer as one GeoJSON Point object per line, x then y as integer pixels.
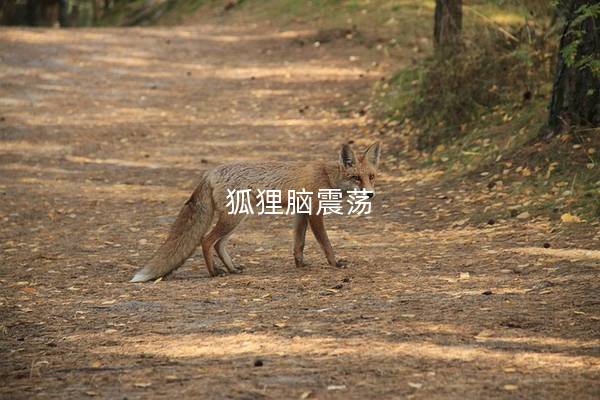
{"type": "Point", "coordinates": [103, 134]}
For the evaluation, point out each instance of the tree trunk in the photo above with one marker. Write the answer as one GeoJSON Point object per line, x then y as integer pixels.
{"type": "Point", "coordinates": [32, 12]}
{"type": "Point", "coordinates": [576, 91]}
{"type": "Point", "coordinates": [63, 7]}
{"type": "Point", "coordinates": [448, 23]}
{"type": "Point", "coordinates": [94, 11]}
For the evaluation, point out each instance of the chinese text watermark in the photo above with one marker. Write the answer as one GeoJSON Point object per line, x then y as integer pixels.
{"type": "Point", "coordinates": [270, 202]}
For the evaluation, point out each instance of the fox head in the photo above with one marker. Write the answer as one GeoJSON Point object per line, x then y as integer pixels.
{"type": "Point", "coordinates": [358, 171]}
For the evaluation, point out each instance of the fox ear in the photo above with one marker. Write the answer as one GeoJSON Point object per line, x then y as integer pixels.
{"type": "Point", "coordinates": [347, 156]}
{"type": "Point", "coordinates": [372, 154]}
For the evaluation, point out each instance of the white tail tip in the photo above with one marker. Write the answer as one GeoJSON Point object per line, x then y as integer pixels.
{"type": "Point", "coordinates": [140, 276]}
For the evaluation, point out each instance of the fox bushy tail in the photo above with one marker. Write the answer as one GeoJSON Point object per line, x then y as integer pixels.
{"type": "Point", "coordinates": [191, 224]}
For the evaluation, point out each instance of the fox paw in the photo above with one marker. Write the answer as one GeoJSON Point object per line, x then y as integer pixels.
{"type": "Point", "coordinates": [299, 261]}
{"type": "Point", "coordinates": [235, 270]}
{"type": "Point", "coordinates": [341, 263]}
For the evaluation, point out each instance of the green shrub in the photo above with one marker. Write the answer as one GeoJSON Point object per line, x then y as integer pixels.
{"type": "Point", "coordinates": [449, 90]}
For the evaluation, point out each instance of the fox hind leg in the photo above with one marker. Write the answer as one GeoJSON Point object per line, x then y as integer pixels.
{"type": "Point", "coordinates": [220, 246]}
{"type": "Point", "coordinates": [212, 241]}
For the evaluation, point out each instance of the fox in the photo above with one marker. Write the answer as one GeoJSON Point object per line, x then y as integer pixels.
{"type": "Point", "coordinates": [208, 202]}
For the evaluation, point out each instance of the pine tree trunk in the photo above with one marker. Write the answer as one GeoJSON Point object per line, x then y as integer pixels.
{"type": "Point", "coordinates": [576, 91]}
{"type": "Point", "coordinates": [448, 23]}
{"type": "Point", "coordinates": [62, 12]}
{"type": "Point", "coordinates": [32, 12]}
{"type": "Point", "coordinates": [94, 11]}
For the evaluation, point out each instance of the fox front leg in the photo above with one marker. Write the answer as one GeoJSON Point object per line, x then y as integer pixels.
{"type": "Point", "coordinates": [318, 228]}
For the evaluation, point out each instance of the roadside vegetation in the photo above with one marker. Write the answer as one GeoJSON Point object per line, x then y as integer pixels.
{"type": "Point", "coordinates": [481, 113]}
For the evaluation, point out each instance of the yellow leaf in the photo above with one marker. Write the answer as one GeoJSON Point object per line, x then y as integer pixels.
{"type": "Point", "coordinates": [569, 218]}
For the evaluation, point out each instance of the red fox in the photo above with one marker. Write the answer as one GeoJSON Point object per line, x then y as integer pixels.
{"type": "Point", "coordinates": [209, 199]}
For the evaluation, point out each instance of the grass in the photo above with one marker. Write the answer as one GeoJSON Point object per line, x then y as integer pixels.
{"type": "Point", "coordinates": [552, 179]}
{"type": "Point", "coordinates": [157, 12]}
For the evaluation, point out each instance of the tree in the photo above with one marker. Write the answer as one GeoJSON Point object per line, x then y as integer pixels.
{"type": "Point", "coordinates": [448, 23]}
{"type": "Point", "coordinates": [48, 11]}
{"type": "Point", "coordinates": [576, 92]}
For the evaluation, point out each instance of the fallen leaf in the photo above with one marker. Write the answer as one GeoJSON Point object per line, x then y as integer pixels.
{"type": "Point", "coordinates": [486, 333]}
{"type": "Point", "coordinates": [570, 218]}
{"type": "Point", "coordinates": [461, 222]}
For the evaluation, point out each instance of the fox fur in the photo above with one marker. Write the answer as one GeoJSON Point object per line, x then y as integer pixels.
{"type": "Point", "coordinates": [209, 199]}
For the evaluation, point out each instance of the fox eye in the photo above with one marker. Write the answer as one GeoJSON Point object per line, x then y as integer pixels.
{"type": "Point", "coordinates": [356, 178]}
{"type": "Point", "coordinates": [371, 177]}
